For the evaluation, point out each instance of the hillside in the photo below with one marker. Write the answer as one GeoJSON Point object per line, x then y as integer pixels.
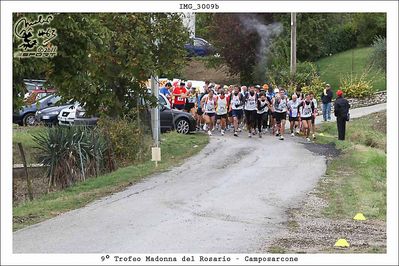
{"type": "Point", "coordinates": [195, 69]}
{"type": "Point", "coordinates": [332, 67]}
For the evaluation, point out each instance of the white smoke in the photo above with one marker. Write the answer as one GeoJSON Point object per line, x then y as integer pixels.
{"type": "Point", "coordinates": [266, 34]}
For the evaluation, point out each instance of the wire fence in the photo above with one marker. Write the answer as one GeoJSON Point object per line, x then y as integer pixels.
{"type": "Point", "coordinates": [51, 159]}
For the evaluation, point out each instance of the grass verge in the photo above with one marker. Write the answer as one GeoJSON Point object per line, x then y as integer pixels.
{"type": "Point", "coordinates": [175, 148]}
{"type": "Point", "coordinates": [356, 180]}
{"type": "Point", "coordinates": [333, 67]}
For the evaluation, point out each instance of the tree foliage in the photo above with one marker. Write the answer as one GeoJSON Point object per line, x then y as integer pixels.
{"type": "Point", "coordinates": [378, 57]}
{"type": "Point", "coordinates": [104, 59]}
{"type": "Point", "coordinates": [236, 45]}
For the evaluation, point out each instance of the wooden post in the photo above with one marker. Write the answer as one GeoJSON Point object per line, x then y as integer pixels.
{"type": "Point", "coordinates": [81, 162]}
{"type": "Point", "coordinates": [28, 181]}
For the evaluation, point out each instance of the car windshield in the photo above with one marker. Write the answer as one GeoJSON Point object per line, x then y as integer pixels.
{"type": "Point", "coordinates": [162, 101]}
{"type": "Point", "coordinates": [55, 99]}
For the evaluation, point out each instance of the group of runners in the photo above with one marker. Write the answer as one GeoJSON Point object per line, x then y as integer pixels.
{"type": "Point", "coordinates": [257, 109]}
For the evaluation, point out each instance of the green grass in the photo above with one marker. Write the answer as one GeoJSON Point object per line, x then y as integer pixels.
{"type": "Point", "coordinates": [174, 147]}
{"type": "Point", "coordinates": [333, 67]}
{"type": "Point", "coordinates": [356, 180]}
{"type": "Point", "coordinates": [368, 131]}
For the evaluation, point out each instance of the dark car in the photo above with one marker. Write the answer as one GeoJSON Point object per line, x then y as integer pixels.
{"type": "Point", "coordinates": [26, 115]}
{"type": "Point", "coordinates": [172, 119]}
{"type": "Point", "coordinates": [49, 116]}
{"type": "Point", "coordinates": [198, 47]}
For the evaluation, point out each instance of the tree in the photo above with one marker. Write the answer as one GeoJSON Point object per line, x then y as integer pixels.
{"type": "Point", "coordinates": [368, 26]}
{"type": "Point", "coordinates": [203, 23]}
{"type": "Point", "coordinates": [104, 59]}
{"type": "Point", "coordinates": [235, 45]}
{"type": "Point", "coordinates": [25, 68]}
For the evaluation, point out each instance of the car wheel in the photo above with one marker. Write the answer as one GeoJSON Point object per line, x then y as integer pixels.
{"type": "Point", "coordinates": [29, 119]}
{"type": "Point", "coordinates": [182, 126]}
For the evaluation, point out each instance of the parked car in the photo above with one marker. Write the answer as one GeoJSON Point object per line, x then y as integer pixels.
{"type": "Point", "coordinates": [172, 119]}
{"type": "Point", "coordinates": [26, 115]}
{"type": "Point", "coordinates": [198, 47]}
{"type": "Point", "coordinates": [49, 116]}
{"type": "Point", "coordinates": [66, 117]}
{"type": "Point", "coordinates": [35, 95]}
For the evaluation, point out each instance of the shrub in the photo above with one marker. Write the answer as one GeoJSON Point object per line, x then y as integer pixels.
{"type": "Point", "coordinates": [378, 56]}
{"type": "Point", "coordinates": [316, 86]}
{"type": "Point", "coordinates": [357, 86]}
{"type": "Point", "coordinates": [72, 153]}
{"type": "Point", "coordinates": [128, 137]}
{"type": "Point", "coordinates": [305, 74]}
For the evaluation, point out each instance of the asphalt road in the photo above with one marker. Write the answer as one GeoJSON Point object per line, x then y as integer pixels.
{"type": "Point", "coordinates": [230, 198]}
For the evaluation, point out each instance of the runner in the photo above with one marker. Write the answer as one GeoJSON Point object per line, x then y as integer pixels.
{"type": "Point", "coordinates": [208, 103]}
{"type": "Point", "coordinates": [179, 94]}
{"type": "Point", "coordinates": [222, 104]}
{"type": "Point", "coordinates": [236, 106]}
{"type": "Point", "coordinates": [293, 114]}
{"type": "Point", "coordinates": [229, 113]}
{"type": "Point", "coordinates": [280, 112]}
{"type": "Point", "coordinates": [313, 99]}
{"type": "Point", "coordinates": [250, 110]}
{"type": "Point", "coordinates": [200, 117]}
{"type": "Point", "coordinates": [262, 112]}
{"type": "Point", "coordinates": [191, 101]}
{"type": "Point", "coordinates": [306, 110]}
{"type": "Point", "coordinates": [244, 90]}
{"type": "Point", "coordinates": [269, 96]}
{"type": "Point", "coordinates": [166, 91]}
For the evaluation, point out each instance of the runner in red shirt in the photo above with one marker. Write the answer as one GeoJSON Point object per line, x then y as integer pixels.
{"type": "Point", "coordinates": [180, 94]}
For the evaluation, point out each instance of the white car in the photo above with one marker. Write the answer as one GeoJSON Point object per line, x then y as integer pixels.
{"type": "Point", "coordinates": [67, 116]}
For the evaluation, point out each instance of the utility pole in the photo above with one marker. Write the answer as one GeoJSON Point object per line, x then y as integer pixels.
{"type": "Point", "coordinates": [293, 46]}
{"type": "Point", "coordinates": [155, 115]}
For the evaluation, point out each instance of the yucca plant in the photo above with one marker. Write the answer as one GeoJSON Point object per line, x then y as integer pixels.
{"type": "Point", "coordinates": [72, 153]}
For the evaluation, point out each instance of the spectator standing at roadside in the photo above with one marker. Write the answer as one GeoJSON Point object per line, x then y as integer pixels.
{"type": "Point", "coordinates": [326, 99]}
{"type": "Point", "coordinates": [180, 96]}
{"type": "Point", "coordinates": [341, 112]}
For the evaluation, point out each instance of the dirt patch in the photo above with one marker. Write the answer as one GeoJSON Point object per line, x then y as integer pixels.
{"type": "Point", "coordinates": [308, 231]}
{"type": "Point", "coordinates": [197, 70]}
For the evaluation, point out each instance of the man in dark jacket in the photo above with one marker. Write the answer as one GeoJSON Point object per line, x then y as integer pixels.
{"type": "Point", "coordinates": [341, 110]}
{"type": "Point", "coordinates": [326, 98]}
